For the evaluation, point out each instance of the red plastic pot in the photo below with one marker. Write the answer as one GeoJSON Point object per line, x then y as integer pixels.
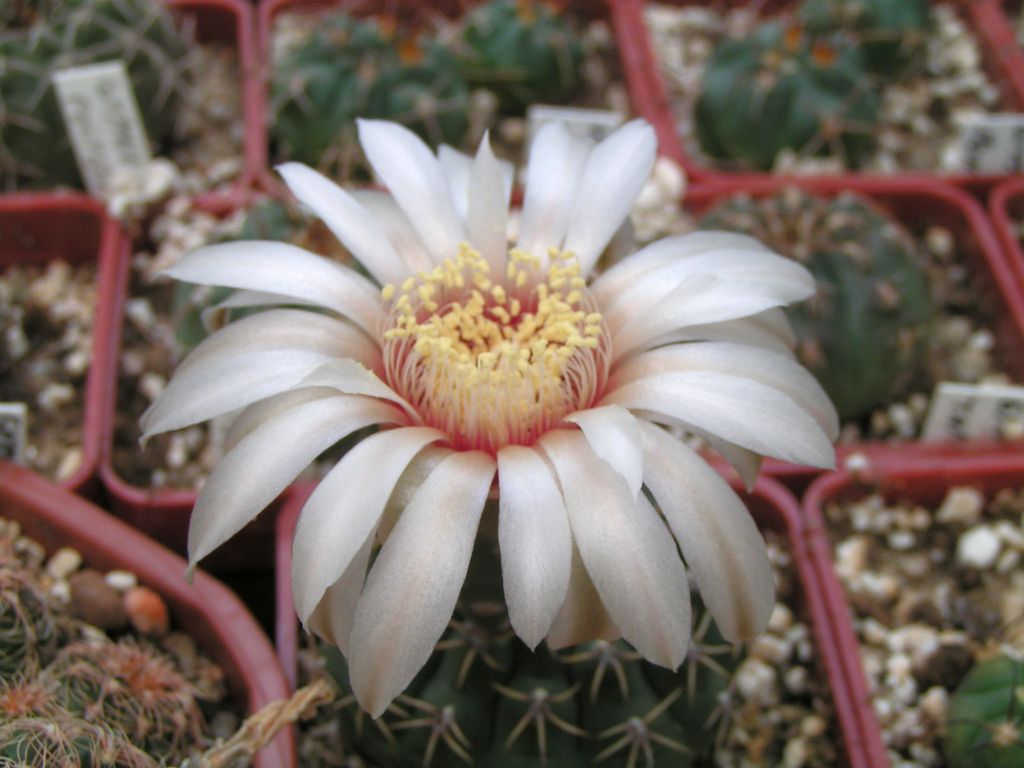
{"type": "Point", "coordinates": [921, 480]}
{"type": "Point", "coordinates": [206, 609]}
{"type": "Point", "coordinates": [232, 22]}
{"type": "Point", "coordinates": [918, 204]}
{"type": "Point", "coordinates": [772, 507]}
{"type": "Point", "coordinates": [41, 228]}
{"type": "Point", "coordinates": [651, 97]}
{"type": "Point", "coordinates": [1006, 206]}
{"type": "Point", "coordinates": [418, 12]}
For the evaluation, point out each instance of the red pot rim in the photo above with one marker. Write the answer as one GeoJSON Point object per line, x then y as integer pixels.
{"type": "Point", "coordinates": [902, 190]}
{"type": "Point", "coordinates": [773, 507]}
{"type": "Point", "coordinates": [110, 255]}
{"type": "Point", "coordinates": [206, 609]}
{"type": "Point", "coordinates": [895, 475]}
{"type": "Point", "coordinates": [1003, 61]}
{"type": "Point", "coordinates": [1005, 196]}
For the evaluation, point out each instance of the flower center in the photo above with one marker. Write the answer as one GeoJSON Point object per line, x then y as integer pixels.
{"type": "Point", "coordinates": [495, 361]}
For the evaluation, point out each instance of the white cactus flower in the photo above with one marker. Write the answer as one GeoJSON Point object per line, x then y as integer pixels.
{"type": "Point", "coordinates": [479, 361]}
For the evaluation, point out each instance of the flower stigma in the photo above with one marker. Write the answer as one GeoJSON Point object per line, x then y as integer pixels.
{"type": "Point", "coordinates": [496, 361]}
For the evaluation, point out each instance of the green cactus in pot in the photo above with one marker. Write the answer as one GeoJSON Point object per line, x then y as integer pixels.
{"type": "Point", "coordinates": [523, 50]}
{"type": "Point", "coordinates": [986, 716]}
{"type": "Point", "coordinates": [34, 147]}
{"type": "Point", "coordinates": [864, 335]}
{"type": "Point", "coordinates": [351, 68]}
{"type": "Point", "coordinates": [780, 89]}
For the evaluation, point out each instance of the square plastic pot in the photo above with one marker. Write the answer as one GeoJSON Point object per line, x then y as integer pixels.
{"type": "Point", "coordinates": [1006, 206]}
{"type": "Point", "coordinates": [36, 229]}
{"type": "Point", "coordinates": [772, 507]}
{"type": "Point", "coordinates": [160, 512]}
{"type": "Point", "coordinates": [205, 609]}
{"type": "Point", "coordinates": [651, 96]}
{"type": "Point", "coordinates": [417, 11]}
{"type": "Point", "coordinates": [921, 480]}
{"type": "Point", "coordinates": [918, 204]}
{"type": "Point", "coordinates": [232, 23]}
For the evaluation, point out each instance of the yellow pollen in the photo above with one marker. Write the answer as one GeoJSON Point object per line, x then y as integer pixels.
{"type": "Point", "coordinates": [494, 360]}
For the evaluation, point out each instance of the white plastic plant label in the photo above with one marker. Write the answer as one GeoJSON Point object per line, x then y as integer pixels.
{"type": "Point", "coordinates": [590, 123]}
{"type": "Point", "coordinates": [13, 431]}
{"type": "Point", "coordinates": [103, 122]}
{"type": "Point", "coordinates": [993, 143]}
{"type": "Point", "coordinates": [975, 412]}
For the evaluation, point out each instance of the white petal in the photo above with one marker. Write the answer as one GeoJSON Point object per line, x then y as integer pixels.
{"type": "Point", "coordinates": [535, 542]}
{"type": "Point", "coordinates": [285, 269]}
{"type": "Point", "coordinates": [457, 167]}
{"type": "Point", "coordinates": [628, 552]}
{"type": "Point", "coordinates": [396, 226]}
{"type": "Point", "coordinates": [582, 617]}
{"type": "Point", "coordinates": [611, 283]}
{"type": "Point", "coordinates": [487, 215]}
{"type": "Point", "coordinates": [263, 463]}
{"type": "Point", "coordinates": [216, 317]}
{"type": "Point", "coordinates": [553, 176]}
{"type": "Point", "coordinates": [353, 378]}
{"type": "Point", "coordinates": [332, 617]}
{"type": "Point", "coordinates": [614, 435]}
{"type": "Point", "coordinates": [419, 469]}
{"type": "Point", "coordinates": [769, 329]}
{"type": "Point", "coordinates": [257, 357]}
{"type": "Point", "coordinates": [615, 172]}
{"type": "Point", "coordinates": [722, 546]}
{"type": "Point", "coordinates": [264, 410]}
{"type": "Point", "coordinates": [779, 371]}
{"type": "Point", "coordinates": [774, 275]}
{"type": "Point", "coordinates": [350, 222]}
{"type": "Point", "coordinates": [747, 463]}
{"type": "Point", "coordinates": [413, 586]}
{"type": "Point", "coordinates": [414, 178]}
{"type": "Point", "coordinates": [744, 412]}
{"type": "Point", "coordinates": [345, 508]}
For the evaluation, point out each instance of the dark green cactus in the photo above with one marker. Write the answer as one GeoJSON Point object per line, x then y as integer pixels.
{"type": "Point", "coordinates": [27, 630]}
{"type": "Point", "coordinates": [132, 689]}
{"type": "Point", "coordinates": [780, 89]}
{"type": "Point", "coordinates": [864, 334]}
{"type": "Point", "coordinates": [484, 698]}
{"type": "Point", "coordinates": [523, 50]}
{"type": "Point", "coordinates": [34, 146]}
{"type": "Point", "coordinates": [353, 68]}
{"type": "Point", "coordinates": [892, 33]}
{"type": "Point", "coordinates": [66, 741]}
{"type": "Point", "coordinates": [986, 716]}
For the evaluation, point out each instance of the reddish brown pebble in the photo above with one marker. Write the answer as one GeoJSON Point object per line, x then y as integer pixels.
{"type": "Point", "coordinates": [96, 602]}
{"type": "Point", "coordinates": [147, 611]}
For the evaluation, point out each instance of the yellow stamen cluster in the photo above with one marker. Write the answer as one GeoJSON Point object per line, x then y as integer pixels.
{"type": "Point", "coordinates": [493, 361]}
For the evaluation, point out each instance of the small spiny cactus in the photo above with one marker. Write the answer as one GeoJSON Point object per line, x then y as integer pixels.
{"type": "Point", "coordinates": [782, 89]}
{"type": "Point", "coordinates": [892, 33]}
{"type": "Point", "coordinates": [132, 689]}
{"type": "Point", "coordinates": [986, 716]}
{"type": "Point", "coordinates": [66, 741]}
{"type": "Point", "coordinates": [28, 633]}
{"type": "Point", "coordinates": [34, 147]}
{"type": "Point", "coordinates": [351, 68]}
{"type": "Point", "coordinates": [864, 334]}
{"type": "Point", "coordinates": [523, 50]}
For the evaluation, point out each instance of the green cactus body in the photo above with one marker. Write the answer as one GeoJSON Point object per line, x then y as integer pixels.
{"type": "Point", "coordinates": [486, 699]}
{"type": "Point", "coordinates": [864, 334]}
{"type": "Point", "coordinates": [66, 741]}
{"type": "Point", "coordinates": [34, 147]}
{"type": "Point", "coordinates": [777, 89]}
{"type": "Point", "coordinates": [986, 716]}
{"type": "Point", "coordinates": [131, 689]}
{"type": "Point", "coordinates": [524, 51]}
{"type": "Point", "coordinates": [351, 68]}
{"type": "Point", "coordinates": [28, 634]}
{"type": "Point", "coordinates": [892, 33]}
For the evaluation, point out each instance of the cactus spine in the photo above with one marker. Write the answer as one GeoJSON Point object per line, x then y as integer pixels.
{"type": "Point", "coordinates": [986, 716]}
{"type": "Point", "coordinates": [864, 334]}
{"type": "Point", "coordinates": [28, 634]}
{"type": "Point", "coordinates": [34, 147]}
